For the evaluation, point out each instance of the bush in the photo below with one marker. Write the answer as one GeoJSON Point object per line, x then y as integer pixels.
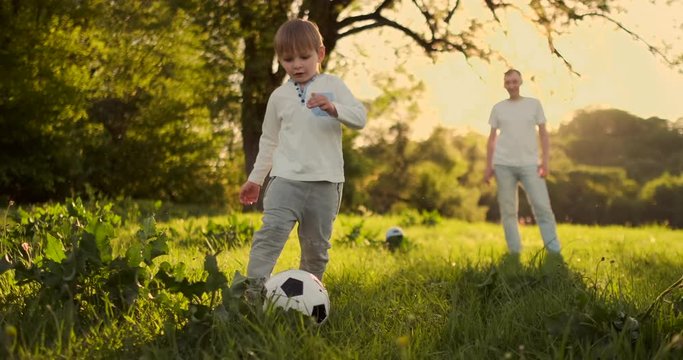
{"type": "Point", "coordinates": [663, 198]}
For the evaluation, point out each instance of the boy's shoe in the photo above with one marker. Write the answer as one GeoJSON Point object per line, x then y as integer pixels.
{"type": "Point", "coordinates": [255, 293]}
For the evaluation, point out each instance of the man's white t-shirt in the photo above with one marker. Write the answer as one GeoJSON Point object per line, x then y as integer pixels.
{"type": "Point", "coordinates": [516, 121]}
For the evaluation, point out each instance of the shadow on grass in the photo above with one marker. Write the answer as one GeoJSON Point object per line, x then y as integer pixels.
{"type": "Point", "coordinates": [427, 310]}
{"type": "Point", "coordinates": [155, 331]}
{"type": "Point", "coordinates": [424, 310]}
{"type": "Point", "coordinates": [249, 333]}
{"type": "Point", "coordinates": [543, 309]}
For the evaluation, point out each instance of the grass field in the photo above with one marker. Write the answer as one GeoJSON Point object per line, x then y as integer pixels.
{"type": "Point", "coordinates": [450, 294]}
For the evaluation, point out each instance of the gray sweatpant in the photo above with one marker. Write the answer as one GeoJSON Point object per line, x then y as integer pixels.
{"type": "Point", "coordinates": [314, 205]}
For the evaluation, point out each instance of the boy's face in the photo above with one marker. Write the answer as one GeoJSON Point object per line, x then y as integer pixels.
{"type": "Point", "coordinates": [512, 82]}
{"type": "Point", "coordinates": [301, 67]}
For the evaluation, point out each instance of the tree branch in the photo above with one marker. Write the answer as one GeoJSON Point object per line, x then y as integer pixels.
{"type": "Point", "coordinates": [653, 49]}
{"type": "Point", "coordinates": [442, 40]}
{"type": "Point", "coordinates": [380, 21]}
{"type": "Point", "coordinates": [494, 6]}
{"type": "Point", "coordinates": [429, 18]}
{"type": "Point", "coordinates": [430, 46]}
{"type": "Point", "coordinates": [449, 16]}
{"type": "Point", "coordinates": [354, 19]}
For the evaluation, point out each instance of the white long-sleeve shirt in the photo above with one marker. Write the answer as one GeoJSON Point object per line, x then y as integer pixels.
{"type": "Point", "coordinates": [303, 144]}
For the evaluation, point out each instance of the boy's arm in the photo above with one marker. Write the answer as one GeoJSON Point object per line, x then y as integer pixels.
{"type": "Point", "coordinates": [350, 111]}
{"type": "Point", "coordinates": [267, 143]}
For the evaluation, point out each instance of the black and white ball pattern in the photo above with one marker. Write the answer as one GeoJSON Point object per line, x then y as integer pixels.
{"type": "Point", "coordinates": [301, 291]}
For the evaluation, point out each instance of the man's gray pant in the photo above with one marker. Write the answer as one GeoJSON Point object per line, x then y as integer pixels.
{"type": "Point", "coordinates": [508, 178]}
{"type": "Point", "coordinates": [314, 205]}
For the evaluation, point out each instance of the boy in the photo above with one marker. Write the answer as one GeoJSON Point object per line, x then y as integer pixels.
{"type": "Point", "coordinates": [301, 148]}
{"type": "Point", "coordinates": [512, 157]}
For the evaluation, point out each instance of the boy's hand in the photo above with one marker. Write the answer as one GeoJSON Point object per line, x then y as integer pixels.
{"type": "Point", "coordinates": [321, 101]}
{"type": "Point", "coordinates": [249, 193]}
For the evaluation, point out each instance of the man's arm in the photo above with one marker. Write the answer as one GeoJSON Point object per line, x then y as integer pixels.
{"type": "Point", "coordinates": [545, 150]}
{"type": "Point", "coordinates": [490, 147]}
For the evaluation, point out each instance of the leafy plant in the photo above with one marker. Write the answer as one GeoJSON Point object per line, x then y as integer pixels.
{"type": "Point", "coordinates": [62, 256]}
{"type": "Point", "coordinates": [358, 236]}
{"type": "Point", "coordinates": [235, 234]}
{"type": "Point", "coordinates": [413, 217]}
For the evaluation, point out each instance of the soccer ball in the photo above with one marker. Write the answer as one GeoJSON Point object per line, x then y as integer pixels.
{"type": "Point", "coordinates": [298, 290]}
{"type": "Point", "coordinates": [394, 238]}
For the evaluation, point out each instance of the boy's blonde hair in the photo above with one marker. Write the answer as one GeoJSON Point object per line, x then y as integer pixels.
{"type": "Point", "coordinates": [297, 36]}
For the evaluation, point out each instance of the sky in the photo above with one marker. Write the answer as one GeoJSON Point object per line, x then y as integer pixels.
{"type": "Point", "coordinates": [616, 71]}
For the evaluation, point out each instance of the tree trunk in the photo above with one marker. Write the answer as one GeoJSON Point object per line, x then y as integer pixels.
{"type": "Point", "coordinates": [326, 15]}
{"type": "Point", "coordinates": [259, 79]}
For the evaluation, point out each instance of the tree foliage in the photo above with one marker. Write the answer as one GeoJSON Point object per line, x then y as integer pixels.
{"type": "Point", "coordinates": [594, 195]}
{"type": "Point", "coordinates": [165, 100]}
{"type": "Point", "coordinates": [121, 96]}
{"type": "Point", "coordinates": [41, 95]}
{"type": "Point", "coordinates": [663, 198]}
{"type": "Point", "coordinates": [610, 137]}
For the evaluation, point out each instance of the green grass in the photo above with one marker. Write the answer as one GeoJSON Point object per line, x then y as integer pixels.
{"type": "Point", "coordinates": [452, 294]}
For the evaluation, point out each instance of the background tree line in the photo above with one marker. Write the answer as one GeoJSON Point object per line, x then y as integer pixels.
{"type": "Point", "coordinates": [164, 100]}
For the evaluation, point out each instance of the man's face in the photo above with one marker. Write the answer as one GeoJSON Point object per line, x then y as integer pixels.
{"type": "Point", "coordinates": [512, 82]}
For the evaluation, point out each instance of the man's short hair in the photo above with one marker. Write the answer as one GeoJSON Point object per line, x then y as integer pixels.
{"type": "Point", "coordinates": [513, 71]}
{"type": "Point", "coordinates": [297, 36]}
